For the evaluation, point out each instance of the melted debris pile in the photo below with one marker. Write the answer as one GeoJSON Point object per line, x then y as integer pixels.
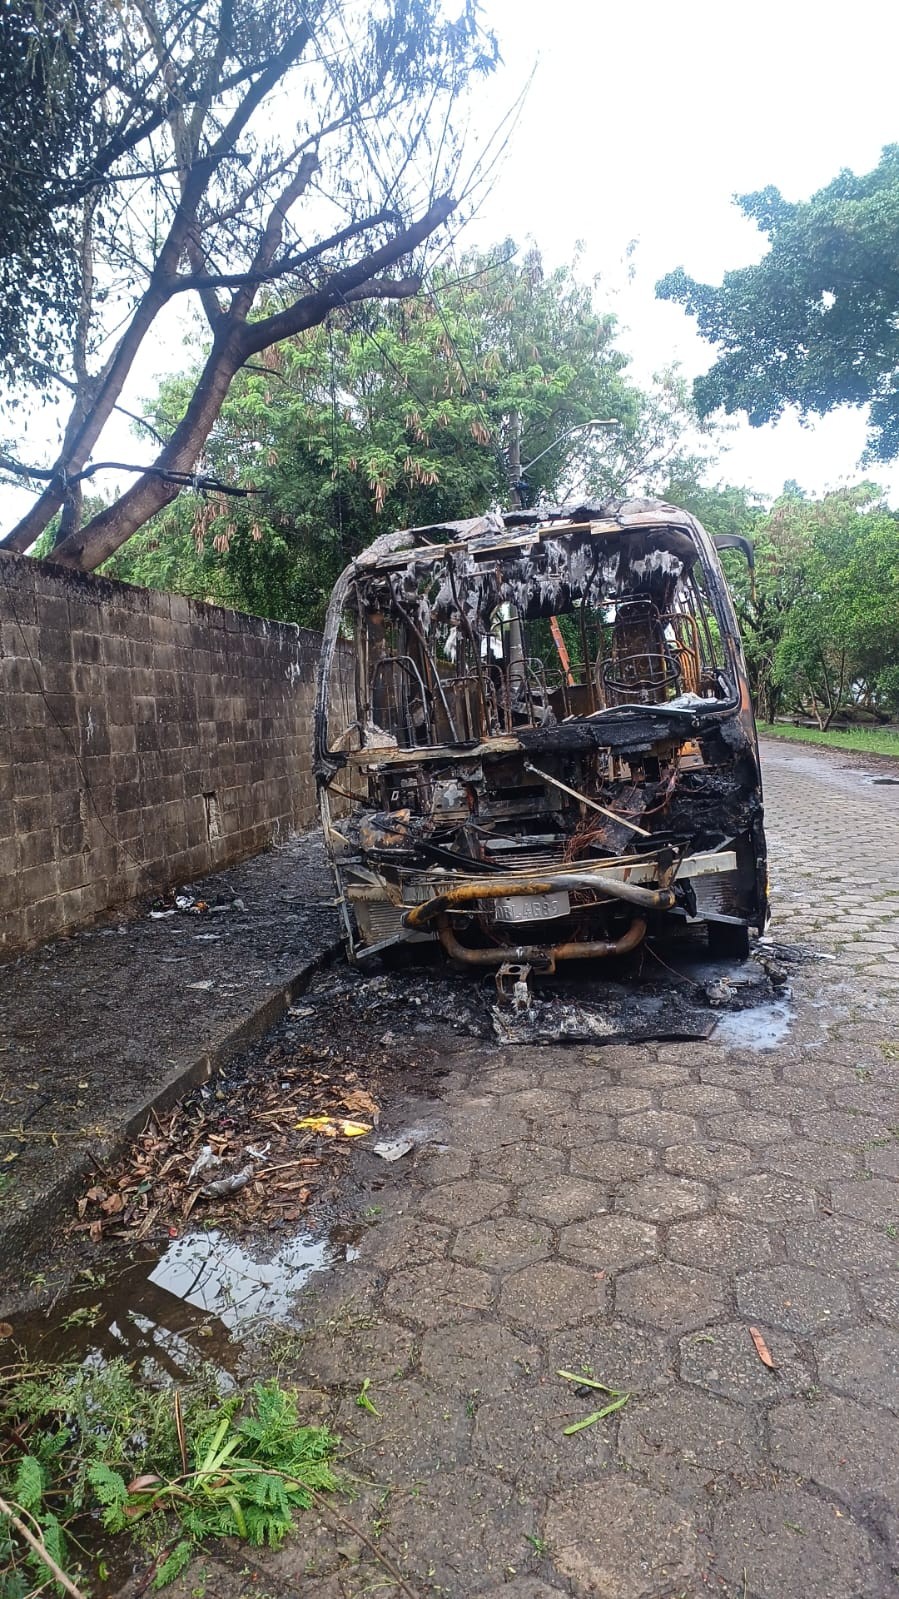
{"type": "Point", "coordinates": [655, 1001]}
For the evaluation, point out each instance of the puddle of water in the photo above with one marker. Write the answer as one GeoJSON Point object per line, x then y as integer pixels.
{"type": "Point", "coordinates": [757, 1027]}
{"type": "Point", "coordinates": [190, 1306]}
{"type": "Point", "coordinates": [218, 1275]}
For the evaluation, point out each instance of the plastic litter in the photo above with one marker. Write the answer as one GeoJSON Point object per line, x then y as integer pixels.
{"type": "Point", "coordinates": [333, 1126]}
{"type": "Point", "coordinates": [206, 1159]}
{"type": "Point", "coordinates": [393, 1148]}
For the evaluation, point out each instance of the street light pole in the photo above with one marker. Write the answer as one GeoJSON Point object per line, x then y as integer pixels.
{"type": "Point", "coordinates": [517, 471]}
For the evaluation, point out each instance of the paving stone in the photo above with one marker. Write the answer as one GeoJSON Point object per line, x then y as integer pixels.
{"type": "Point", "coordinates": [767, 1197]}
{"type": "Point", "coordinates": [699, 1099]}
{"type": "Point", "coordinates": [608, 1243]}
{"type": "Point", "coordinates": [662, 1197]}
{"type": "Point", "coordinates": [538, 1103]}
{"type": "Point", "coordinates": [710, 1160]}
{"type": "Point", "coordinates": [690, 1052]}
{"type": "Point", "coordinates": [612, 1162]}
{"type": "Point", "coordinates": [876, 1200]}
{"type": "Point", "coordinates": [749, 1127]}
{"type": "Point", "coordinates": [719, 1242]}
{"type": "Point", "coordinates": [549, 1295]}
{"type": "Point", "coordinates": [459, 1204]}
{"type": "Point", "coordinates": [672, 1297]}
{"type": "Point", "coordinates": [863, 1363]}
{"type": "Point", "coordinates": [520, 1163]}
{"type": "Point", "coordinates": [785, 1544]}
{"type": "Point", "coordinates": [881, 1296]}
{"type": "Point", "coordinates": [503, 1244]}
{"type": "Point", "coordinates": [871, 1098]}
{"type": "Point", "coordinates": [380, 1351]}
{"type": "Point", "coordinates": [738, 1071]}
{"type": "Point", "coordinates": [689, 1444]}
{"type": "Point", "coordinates": [614, 1540]}
{"type": "Point", "coordinates": [564, 1072]}
{"type": "Point", "coordinates": [843, 1244]}
{"type": "Point", "coordinates": [646, 1075]}
{"type": "Point", "coordinates": [810, 1163]}
{"type": "Point", "coordinates": [616, 1057]}
{"type": "Point", "coordinates": [442, 1164]}
{"type": "Point", "coordinates": [820, 1072]}
{"type": "Point", "coordinates": [657, 1127]}
{"type": "Point", "coordinates": [506, 1081]}
{"type": "Point", "coordinates": [794, 1297]}
{"type": "Point", "coordinates": [462, 1529]}
{"type": "Point", "coordinates": [787, 1099]}
{"type": "Point", "coordinates": [629, 1359]}
{"type": "Point", "coordinates": [438, 1292]}
{"type": "Point", "coordinates": [562, 1199]}
{"type": "Point", "coordinates": [402, 1241]}
{"type": "Point", "coordinates": [418, 1430]}
{"type": "Point", "coordinates": [571, 1129]}
{"type": "Point", "coordinates": [616, 1100]}
{"type": "Point", "coordinates": [485, 1123]}
{"type": "Point", "coordinates": [844, 1127]}
{"type": "Point", "coordinates": [724, 1360]}
{"type": "Point", "coordinates": [475, 1357]}
{"type": "Point", "coordinates": [847, 1448]}
{"type": "Point", "coordinates": [521, 1436]}
{"type": "Point", "coordinates": [885, 1162]}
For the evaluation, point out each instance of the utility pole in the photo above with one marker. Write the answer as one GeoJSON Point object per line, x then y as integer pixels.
{"type": "Point", "coordinates": [514, 460]}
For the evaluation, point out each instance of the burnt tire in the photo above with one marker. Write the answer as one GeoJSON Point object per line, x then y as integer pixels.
{"type": "Point", "coordinates": [728, 940]}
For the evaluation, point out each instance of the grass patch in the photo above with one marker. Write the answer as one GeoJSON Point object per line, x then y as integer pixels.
{"type": "Point", "coordinates": [866, 740]}
{"type": "Point", "coordinates": [84, 1449]}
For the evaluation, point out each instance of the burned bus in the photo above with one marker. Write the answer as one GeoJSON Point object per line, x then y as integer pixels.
{"type": "Point", "coordinates": [534, 741]}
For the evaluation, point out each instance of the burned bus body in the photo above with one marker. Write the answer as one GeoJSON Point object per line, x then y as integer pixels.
{"type": "Point", "coordinates": [542, 722]}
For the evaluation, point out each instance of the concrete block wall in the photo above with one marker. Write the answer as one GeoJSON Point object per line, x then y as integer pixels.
{"type": "Point", "coordinates": [145, 740]}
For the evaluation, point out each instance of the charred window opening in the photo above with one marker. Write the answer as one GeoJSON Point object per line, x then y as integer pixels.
{"type": "Point", "coordinates": [565, 697]}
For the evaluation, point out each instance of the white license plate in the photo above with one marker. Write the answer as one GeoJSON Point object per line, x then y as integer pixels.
{"type": "Point", "coordinates": [531, 907]}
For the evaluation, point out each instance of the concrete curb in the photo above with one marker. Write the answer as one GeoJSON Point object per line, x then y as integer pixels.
{"type": "Point", "coordinates": [23, 1233]}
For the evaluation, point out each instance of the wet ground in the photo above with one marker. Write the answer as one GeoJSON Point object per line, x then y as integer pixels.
{"type": "Point", "coordinates": [96, 1028]}
{"type": "Point", "coordinates": [638, 1215]}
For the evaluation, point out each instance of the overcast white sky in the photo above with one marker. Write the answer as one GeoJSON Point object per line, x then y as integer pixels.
{"type": "Point", "coordinates": [642, 123]}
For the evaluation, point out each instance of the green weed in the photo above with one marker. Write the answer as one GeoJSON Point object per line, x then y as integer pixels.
{"type": "Point", "coordinates": [81, 1446]}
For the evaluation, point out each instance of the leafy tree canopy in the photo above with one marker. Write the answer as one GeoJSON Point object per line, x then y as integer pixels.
{"type": "Point", "coordinates": [399, 414]}
{"type": "Point", "coordinates": [211, 152]}
{"type": "Point", "coordinates": [816, 322]}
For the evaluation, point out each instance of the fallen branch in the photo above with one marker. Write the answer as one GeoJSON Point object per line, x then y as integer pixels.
{"type": "Point", "coordinates": [40, 1549]}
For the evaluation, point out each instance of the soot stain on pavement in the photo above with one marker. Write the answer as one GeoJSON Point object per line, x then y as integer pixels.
{"type": "Point", "coordinates": [188, 1273]}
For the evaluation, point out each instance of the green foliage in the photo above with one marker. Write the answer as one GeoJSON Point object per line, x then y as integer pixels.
{"type": "Point", "coordinates": [862, 740]}
{"type": "Point", "coordinates": [820, 620]}
{"type": "Point", "coordinates": [98, 1443]}
{"type": "Point", "coordinates": [814, 323]}
{"type": "Point", "coordinates": [50, 57]}
{"type": "Point", "coordinates": [403, 414]}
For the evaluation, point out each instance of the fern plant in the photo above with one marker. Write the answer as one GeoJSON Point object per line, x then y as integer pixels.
{"type": "Point", "coordinates": [81, 1443]}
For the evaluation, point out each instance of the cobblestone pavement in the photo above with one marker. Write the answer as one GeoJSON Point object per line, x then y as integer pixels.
{"type": "Point", "coordinates": [630, 1213]}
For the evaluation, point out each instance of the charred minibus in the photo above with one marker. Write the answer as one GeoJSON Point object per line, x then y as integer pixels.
{"type": "Point", "coordinates": [534, 741]}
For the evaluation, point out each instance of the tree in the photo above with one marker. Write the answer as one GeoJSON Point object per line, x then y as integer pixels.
{"type": "Point", "coordinates": [223, 116]}
{"type": "Point", "coordinates": [840, 635]}
{"type": "Point", "coordinates": [399, 414]}
{"type": "Point", "coordinates": [816, 322]}
{"type": "Point", "coordinates": [50, 67]}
